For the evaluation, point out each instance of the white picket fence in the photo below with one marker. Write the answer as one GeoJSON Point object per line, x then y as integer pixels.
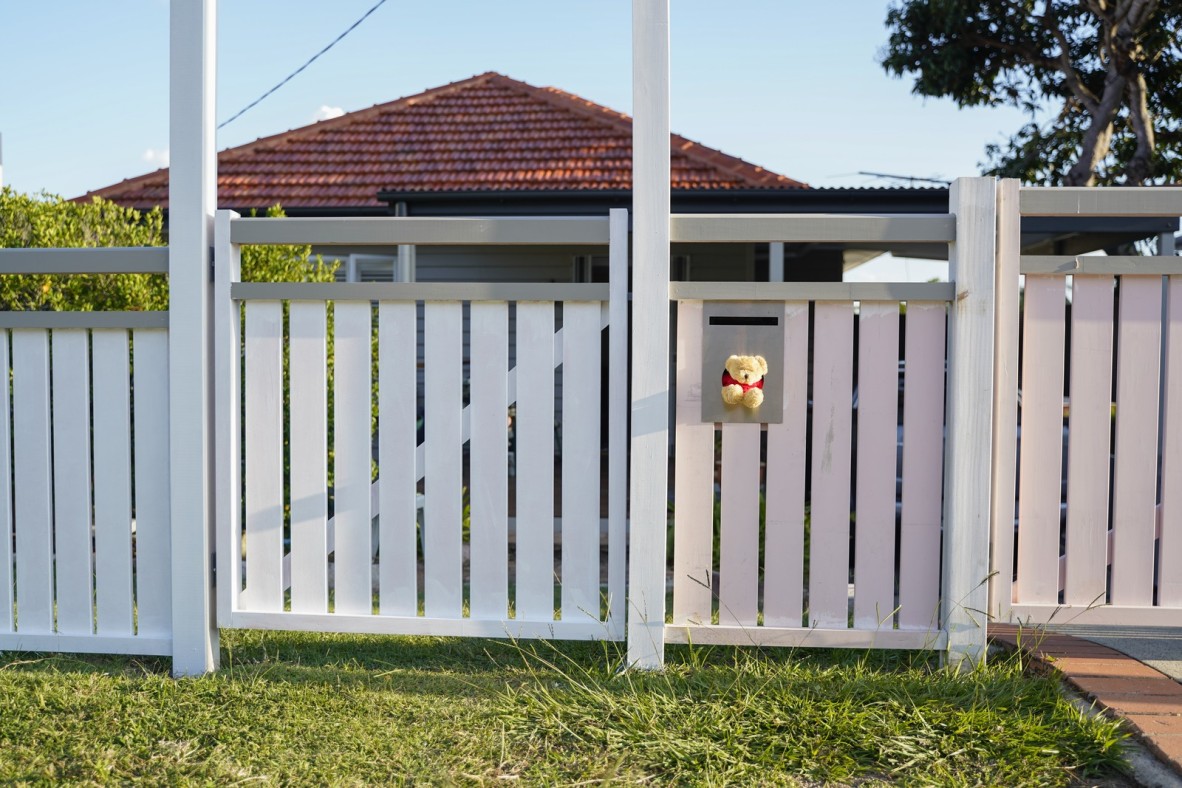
{"type": "Point", "coordinates": [84, 464]}
{"type": "Point", "coordinates": [1099, 523]}
{"type": "Point", "coordinates": [506, 576]}
{"type": "Point", "coordinates": [89, 526]}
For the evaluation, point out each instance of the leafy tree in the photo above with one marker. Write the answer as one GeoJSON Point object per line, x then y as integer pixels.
{"type": "Point", "coordinates": [46, 220]}
{"type": "Point", "coordinates": [1105, 72]}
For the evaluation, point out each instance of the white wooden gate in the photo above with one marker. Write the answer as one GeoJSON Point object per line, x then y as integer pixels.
{"type": "Point", "coordinates": [346, 538]}
{"type": "Point", "coordinates": [761, 558]}
{"type": "Point", "coordinates": [1096, 537]}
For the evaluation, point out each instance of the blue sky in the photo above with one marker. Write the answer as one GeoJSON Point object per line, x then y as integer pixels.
{"type": "Point", "coordinates": [790, 85]}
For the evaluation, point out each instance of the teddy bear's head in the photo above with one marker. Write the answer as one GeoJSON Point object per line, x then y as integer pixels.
{"type": "Point", "coordinates": [746, 369]}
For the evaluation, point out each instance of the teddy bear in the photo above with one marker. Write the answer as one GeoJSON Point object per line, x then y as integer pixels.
{"type": "Point", "coordinates": [742, 380]}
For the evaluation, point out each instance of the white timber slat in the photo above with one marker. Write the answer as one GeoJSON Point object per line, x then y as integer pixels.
{"type": "Point", "coordinates": [829, 551]}
{"type": "Point", "coordinates": [923, 456]}
{"type": "Point", "coordinates": [878, 409]}
{"type": "Point", "coordinates": [968, 449]}
{"type": "Point", "coordinates": [783, 570]}
{"type": "Point", "coordinates": [617, 428]}
{"type": "Point", "coordinates": [1005, 399]}
{"type": "Point", "coordinates": [535, 461]}
{"type": "Point", "coordinates": [264, 457]}
{"type": "Point", "coordinates": [489, 490]}
{"type": "Point", "coordinates": [738, 551]}
{"type": "Point", "coordinates": [352, 376]}
{"type": "Point", "coordinates": [227, 356]}
{"type": "Point", "coordinates": [153, 592]}
{"type": "Point", "coordinates": [649, 481]}
{"type": "Point", "coordinates": [71, 482]}
{"type": "Point", "coordinates": [397, 436]}
{"type": "Point", "coordinates": [1134, 486]}
{"type": "Point", "coordinates": [307, 368]}
{"type": "Point", "coordinates": [6, 576]}
{"type": "Point", "coordinates": [1170, 545]}
{"type": "Point", "coordinates": [112, 484]}
{"type": "Point", "coordinates": [1090, 446]}
{"type": "Point", "coordinates": [580, 460]}
{"type": "Point", "coordinates": [443, 480]}
{"type": "Point", "coordinates": [693, 479]}
{"type": "Point", "coordinates": [1042, 441]}
{"type": "Point", "coordinates": [32, 480]}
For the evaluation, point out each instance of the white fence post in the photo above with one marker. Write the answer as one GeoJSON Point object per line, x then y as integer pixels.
{"type": "Point", "coordinates": [192, 193]}
{"type": "Point", "coordinates": [1005, 399]}
{"type": "Point", "coordinates": [968, 446]}
{"type": "Point", "coordinates": [650, 333]}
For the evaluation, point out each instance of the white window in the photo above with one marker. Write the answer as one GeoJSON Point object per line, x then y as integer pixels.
{"type": "Point", "coordinates": [374, 268]}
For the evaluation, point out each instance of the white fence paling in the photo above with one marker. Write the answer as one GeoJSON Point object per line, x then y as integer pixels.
{"type": "Point", "coordinates": [878, 407]}
{"type": "Point", "coordinates": [693, 482]}
{"type": "Point", "coordinates": [489, 490]}
{"type": "Point", "coordinates": [535, 461]}
{"type": "Point", "coordinates": [153, 537]}
{"type": "Point", "coordinates": [443, 460]}
{"type": "Point", "coordinates": [923, 452]}
{"type": "Point", "coordinates": [71, 481]}
{"type": "Point", "coordinates": [263, 488]}
{"type": "Point", "coordinates": [398, 536]}
{"type": "Point", "coordinates": [308, 386]}
{"type": "Point", "coordinates": [32, 478]}
{"type": "Point", "coordinates": [783, 590]}
{"type": "Point", "coordinates": [112, 484]}
{"type": "Point", "coordinates": [1090, 444]}
{"type": "Point", "coordinates": [1170, 545]}
{"type": "Point", "coordinates": [1042, 439]}
{"type": "Point", "coordinates": [352, 577]}
{"type": "Point", "coordinates": [829, 560]}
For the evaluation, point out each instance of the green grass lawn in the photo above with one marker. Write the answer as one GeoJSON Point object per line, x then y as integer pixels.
{"type": "Point", "coordinates": [301, 708]}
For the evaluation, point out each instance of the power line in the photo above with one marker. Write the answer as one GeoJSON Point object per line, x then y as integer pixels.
{"type": "Point", "coordinates": [309, 62]}
{"type": "Point", "coordinates": [909, 178]}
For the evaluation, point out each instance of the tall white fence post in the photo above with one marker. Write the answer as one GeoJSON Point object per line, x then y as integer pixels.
{"type": "Point", "coordinates": [192, 196]}
{"type": "Point", "coordinates": [650, 333]}
{"type": "Point", "coordinates": [968, 442]}
{"type": "Point", "coordinates": [1005, 399]}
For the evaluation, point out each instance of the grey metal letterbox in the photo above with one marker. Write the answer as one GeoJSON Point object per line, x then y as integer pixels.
{"type": "Point", "coordinates": [742, 328]}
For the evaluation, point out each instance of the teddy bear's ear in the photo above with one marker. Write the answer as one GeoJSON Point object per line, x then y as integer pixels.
{"type": "Point", "coordinates": [762, 362]}
{"type": "Point", "coordinates": [731, 360]}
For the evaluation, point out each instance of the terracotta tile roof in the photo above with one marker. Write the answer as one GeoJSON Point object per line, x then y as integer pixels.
{"type": "Point", "coordinates": [486, 133]}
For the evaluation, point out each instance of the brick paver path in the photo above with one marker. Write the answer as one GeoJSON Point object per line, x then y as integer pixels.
{"type": "Point", "coordinates": [1148, 700]}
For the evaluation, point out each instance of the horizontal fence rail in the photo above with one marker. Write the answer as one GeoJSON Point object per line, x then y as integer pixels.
{"type": "Point", "coordinates": [417, 291]}
{"type": "Point", "coordinates": [811, 228]}
{"type": "Point", "coordinates": [590, 231]}
{"type": "Point", "coordinates": [1107, 201]}
{"type": "Point", "coordinates": [811, 291]}
{"type": "Point", "coordinates": [1100, 265]}
{"type": "Point", "coordinates": [104, 260]}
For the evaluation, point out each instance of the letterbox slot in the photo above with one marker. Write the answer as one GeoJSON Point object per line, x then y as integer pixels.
{"type": "Point", "coordinates": [738, 320]}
